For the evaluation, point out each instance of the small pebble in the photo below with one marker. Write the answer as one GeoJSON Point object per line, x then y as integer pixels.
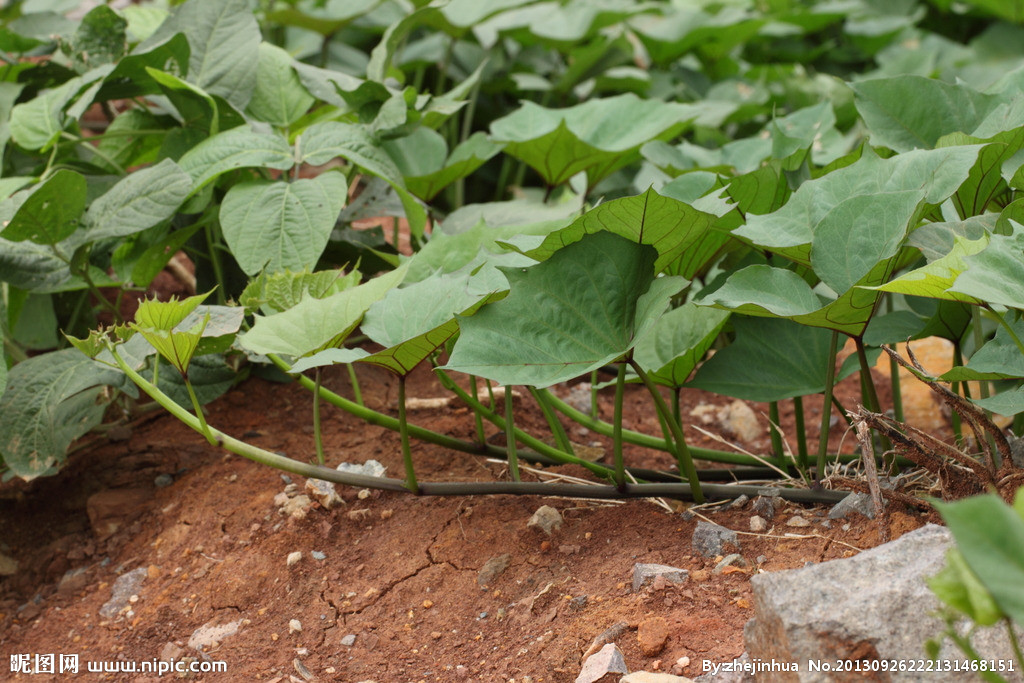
{"type": "Point", "coordinates": [294, 558]}
{"type": "Point", "coordinates": [163, 480]}
{"type": "Point", "coordinates": [797, 520]}
{"type": "Point", "coordinates": [761, 559]}
{"type": "Point", "coordinates": [317, 555]}
{"type": "Point", "coordinates": [758, 524]}
{"type": "Point", "coordinates": [349, 640]}
{"type": "Point", "coordinates": [294, 626]}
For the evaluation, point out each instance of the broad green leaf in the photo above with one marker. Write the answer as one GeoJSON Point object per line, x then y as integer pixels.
{"type": "Point", "coordinates": [936, 240]}
{"type": "Point", "coordinates": [668, 225]}
{"type": "Point", "coordinates": [36, 124]}
{"type": "Point", "coordinates": [327, 140]}
{"type": "Point", "coordinates": [50, 401]}
{"type": "Point", "coordinates": [316, 324]}
{"type": "Point", "coordinates": [51, 213]}
{"type": "Point", "coordinates": [957, 586]}
{"type": "Point", "coordinates": [582, 308]}
{"type": "Point", "coordinates": [100, 39]}
{"type": "Point", "coordinates": [422, 158]}
{"type": "Point", "coordinates": [911, 112]}
{"type": "Point", "coordinates": [770, 360]}
{"type": "Point", "coordinates": [990, 536]}
{"type": "Point", "coordinates": [998, 358]}
{"type": "Point", "coordinates": [3, 376]}
{"type": "Point", "coordinates": [559, 143]}
{"type": "Point", "coordinates": [413, 321]}
{"type": "Point", "coordinates": [176, 346]}
{"type": "Point", "coordinates": [276, 292]}
{"type": "Point", "coordinates": [236, 148]}
{"type": "Point", "coordinates": [340, 89]}
{"type": "Point", "coordinates": [672, 347]}
{"type": "Point", "coordinates": [131, 139]}
{"type": "Point", "coordinates": [328, 357]}
{"type": "Point", "coordinates": [934, 175]}
{"type": "Point", "coordinates": [196, 108]}
{"type": "Point", "coordinates": [166, 315]}
{"type": "Point", "coordinates": [985, 181]}
{"type": "Point", "coordinates": [1009, 403]}
{"type": "Point", "coordinates": [138, 201]}
{"type": "Point", "coordinates": [279, 97]}
{"type": "Point", "coordinates": [326, 18]}
{"type": "Point", "coordinates": [130, 77]}
{"type": "Point", "coordinates": [935, 279]}
{"type": "Point", "coordinates": [922, 317]}
{"type": "Point", "coordinates": [380, 57]}
{"type": "Point", "coordinates": [996, 274]}
{"type": "Point", "coordinates": [761, 290]}
{"type": "Point", "coordinates": [277, 225]}
{"type": "Point", "coordinates": [224, 39]}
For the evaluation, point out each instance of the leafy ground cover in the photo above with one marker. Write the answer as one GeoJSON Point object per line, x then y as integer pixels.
{"type": "Point", "coordinates": [517, 196]}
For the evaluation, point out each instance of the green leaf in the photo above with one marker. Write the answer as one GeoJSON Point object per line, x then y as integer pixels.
{"type": "Point", "coordinates": [582, 308]}
{"type": "Point", "coordinates": [908, 112]}
{"type": "Point", "coordinates": [422, 158]}
{"type": "Point", "coordinates": [1008, 403]}
{"type": "Point", "coordinates": [671, 349]}
{"type": "Point", "coordinates": [50, 214]}
{"type": "Point", "coordinates": [327, 140]}
{"type": "Point", "coordinates": [131, 140]}
{"type": "Point", "coordinates": [326, 18]}
{"type": "Point", "coordinates": [50, 401]}
{"type": "Point", "coordinates": [999, 358]}
{"type": "Point", "coordinates": [224, 39]}
{"type": "Point", "coordinates": [210, 376]}
{"type": "Point", "coordinates": [990, 536]}
{"type": "Point", "coordinates": [279, 97]}
{"type": "Point", "coordinates": [316, 324]}
{"type": "Point", "coordinates": [166, 315]}
{"type": "Point", "coordinates": [176, 346]}
{"type": "Point", "coordinates": [36, 124]}
{"type": "Point", "coordinates": [935, 279]}
{"type": "Point", "coordinates": [996, 274]}
{"type": "Point", "coordinates": [667, 224]}
{"type": "Point", "coordinates": [100, 39]}
{"type": "Point", "coordinates": [277, 225]}
{"type": "Point", "coordinates": [957, 586]}
{"type": "Point", "coordinates": [380, 57]}
{"type": "Point", "coordinates": [236, 148]}
{"type": "Point", "coordinates": [276, 292]}
{"type": "Point", "coordinates": [130, 77]}
{"type": "Point", "coordinates": [138, 201]}
{"type": "Point", "coordinates": [770, 360]}
{"type": "Point", "coordinates": [559, 143]}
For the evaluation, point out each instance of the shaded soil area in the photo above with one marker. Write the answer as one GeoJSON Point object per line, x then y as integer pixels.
{"type": "Point", "coordinates": [389, 587]}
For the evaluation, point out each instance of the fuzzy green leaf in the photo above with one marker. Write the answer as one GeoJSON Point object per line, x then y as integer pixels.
{"type": "Point", "coordinates": [51, 213]}
{"type": "Point", "coordinates": [236, 148]}
{"type": "Point", "coordinates": [138, 201]}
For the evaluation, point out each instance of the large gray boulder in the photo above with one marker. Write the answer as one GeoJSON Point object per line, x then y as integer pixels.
{"type": "Point", "coordinates": [871, 607]}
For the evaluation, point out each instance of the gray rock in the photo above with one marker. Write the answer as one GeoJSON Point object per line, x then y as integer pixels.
{"type": "Point", "coordinates": [171, 651]}
{"type": "Point", "coordinates": [370, 468]}
{"type": "Point", "coordinates": [579, 397]}
{"type": "Point", "coordinates": [546, 519]}
{"type": "Point", "coordinates": [738, 503]}
{"type": "Point", "coordinates": [758, 524]}
{"type": "Point", "coordinates": [317, 555]}
{"type": "Point", "coordinates": [797, 521]}
{"type": "Point", "coordinates": [124, 587]}
{"type": "Point", "coordinates": [73, 581]}
{"type": "Point", "coordinates": [163, 480]}
{"type": "Point", "coordinates": [207, 635]}
{"type": "Point", "coordinates": [855, 502]}
{"type": "Point", "coordinates": [645, 573]}
{"type": "Point", "coordinates": [710, 539]}
{"type": "Point", "coordinates": [765, 506]}
{"type": "Point", "coordinates": [492, 569]}
{"type": "Point", "coordinates": [604, 666]}
{"type": "Point", "coordinates": [349, 640]}
{"type": "Point", "coordinates": [873, 606]}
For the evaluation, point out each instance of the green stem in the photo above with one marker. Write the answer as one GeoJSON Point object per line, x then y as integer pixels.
{"type": "Point", "coordinates": [683, 457]}
{"type": "Point", "coordinates": [403, 430]}
{"type": "Point", "coordinates": [82, 142]}
{"type": "Point", "coordinates": [521, 436]}
{"type": "Point", "coordinates": [868, 384]}
{"type": "Point", "coordinates": [775, 434]}
{"type": "Point", "coordinates": [1014, 642]}
{"type": "Point", "coordinates": [801, 433]}
{"type": "Point", "coordinates": [593, 394]}
{"type": "Point", "coordinates": [894, 376]}
{"type": "Point", "coordinates": [510, 435]}
{"type": "Point", "coordinates": [156, 370]}
{"type": "Point", "coordinates": [557, 430]}
{"type": "Point", "coordinates": [983, 386]}
{"type": "Point", "coordinates": [218, 269]}
{"type": "Point", "coordinates": [357, 394]}
{"type": "Point", "coordinates": [620, 467]}
{"type": "Point", "coordinates": [826, 405]}
{"type": "Point", "coordinates": [204, 428]}
{"type": "Point", "coordinates": [1001, 319]}
{"type": "Point", "coordinates": [675, 405]}
{"type": "Point", "coordinates": [317, 435]}
{"type": "Point", "coordinates": [955, 387]}
{"type": "Point", "coordinates": [480, 435]}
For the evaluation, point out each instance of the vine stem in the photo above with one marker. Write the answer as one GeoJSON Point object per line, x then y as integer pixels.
{"type": "Point", "coordinates": [620, 467]}
{"type": "Point", "coordinates": [403, 431]}
{"type": "Point", "coordinates": [683, 456]}
{"type": "Point", "coordinates": [317, 434]}
{"type": "Point", "coordinates": [479, 421]}
{"type": "Point", "coordinates": [557, 430]}
{"type": "Point", "coordinates": [510, 435]}
{"type": "Point", "coordinates": [357, 394]}
{"type": "Point", "coordinates": [826, 405]}
{"type": "Point", "coordinates": [204, 428]}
